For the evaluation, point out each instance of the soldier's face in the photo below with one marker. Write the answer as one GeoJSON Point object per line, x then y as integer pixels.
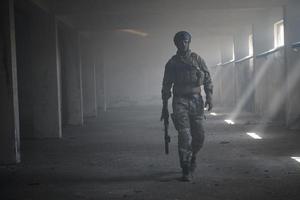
{"type": "Point", "coordinates": [183, 45]}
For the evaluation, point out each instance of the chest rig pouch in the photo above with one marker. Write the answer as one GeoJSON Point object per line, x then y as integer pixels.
{"type": "Point", "coordinates": [188, 72]}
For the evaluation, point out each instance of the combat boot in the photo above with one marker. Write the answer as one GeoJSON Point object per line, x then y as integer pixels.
{"type": "Point", "coordinates": [185, 173]}
{"type": "Point", "coordinates": [193, 164]}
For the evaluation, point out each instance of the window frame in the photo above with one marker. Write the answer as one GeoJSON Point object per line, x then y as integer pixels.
{"type": "Point", "coordinates": [279, 34]}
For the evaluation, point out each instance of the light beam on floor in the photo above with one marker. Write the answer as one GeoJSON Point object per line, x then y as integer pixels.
{"type": "Point", "coordinates": [229, 121]}
{"type": "Point", "coordinates": [296, 158]}
{"type": "Point", "coordinates": [213, 114]}
{"type": "Point", "coordinates": [255, 136]}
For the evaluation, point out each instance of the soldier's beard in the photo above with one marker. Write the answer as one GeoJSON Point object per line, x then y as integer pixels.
{"type": "Point", "coordinates": [183, 49]}
{"type": "Point", "coordinates": [183, 52]}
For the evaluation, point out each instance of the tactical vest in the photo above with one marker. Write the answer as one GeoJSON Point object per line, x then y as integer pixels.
{"type": "Point", "coordinates": [188, 73]}
{"type": "Point", "coordinates": [188, 76]}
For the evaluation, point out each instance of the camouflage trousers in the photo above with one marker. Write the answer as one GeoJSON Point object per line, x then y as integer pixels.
{"type": "Point", "coordinates": [188, 113]}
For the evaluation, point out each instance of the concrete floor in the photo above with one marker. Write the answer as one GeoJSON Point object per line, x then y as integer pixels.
{"type": "Point", "coordinates": [120, 155]}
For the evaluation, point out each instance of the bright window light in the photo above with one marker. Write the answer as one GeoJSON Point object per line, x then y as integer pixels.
{"type": "Point", "coordinates": [278, 34]}
{"type": "Point", "coordinates": [255, 136]}
{"type": "Point", "coordinates": [229, 121]}
{"type": "Point", "coordinates": [250, 45]}
{"type": "Point", "coordinates": [296, 158]}
{"type": "Point", "coordinates": [213, 114]}
{"type": "Point", "coordinates": [233, 54]}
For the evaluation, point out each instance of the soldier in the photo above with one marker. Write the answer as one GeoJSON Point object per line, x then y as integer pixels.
{"type": "Point", "coordinates": [184, 73]}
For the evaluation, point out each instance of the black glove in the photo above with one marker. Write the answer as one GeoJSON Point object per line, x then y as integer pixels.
{"type": "Point", "coordinates": [164, 113]}
{"type": "Point", "coordinates": [208, 103]}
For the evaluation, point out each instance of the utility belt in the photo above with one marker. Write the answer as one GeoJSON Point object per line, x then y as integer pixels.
{"type": "Point", "coordinates": [186, 90]}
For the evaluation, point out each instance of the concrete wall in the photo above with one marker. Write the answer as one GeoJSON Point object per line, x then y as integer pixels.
{"type": "Point", "coordinates": [100, 77]}
{"type": "Point", "coordinates": [263, 29]}
{"type": "Point", "coordinates": [270, 92]}
{"type": "Point", "coordinates": [88, 77]}
{"type": "Point", "coordinates": [39, 73]}
{"type": "Point", "coordinates": [235, 82]}
{"type": "Point", "coordinates": [244, 70]}
{"type": "Point", "coordinates": [244, 85]}
{"type": "Point", "coordinates": [292, 35]}
{"type": "Point", "coordinates": [71, 75]}
{"type": "Point", "coordinates": [9, 113]}
{"type": "Point", "coordinates": [241, 42]}
{"type": "Point", "coordinates": [228, 85]}
{"type": "Point", "coordinates": [226, 48]}
{"type": "Point", "coordinates": [227, 80]}
{"type": "Point", "coordinates": [216, 78]}
{"type": "Point", "coordinates": [269, 69]}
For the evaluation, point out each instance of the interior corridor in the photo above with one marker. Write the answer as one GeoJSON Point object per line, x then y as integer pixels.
{"type": "Point", "coordinates": [81, 99]}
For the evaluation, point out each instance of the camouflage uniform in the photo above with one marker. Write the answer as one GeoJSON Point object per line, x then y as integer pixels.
{"type": "Point", "coordinates": [186, 74]}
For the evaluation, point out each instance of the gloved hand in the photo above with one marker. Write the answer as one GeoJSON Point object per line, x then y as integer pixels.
{"type": "Point", "coordinates": [208, 103]}
{"type": "Point", "coordinates": [164, 113]}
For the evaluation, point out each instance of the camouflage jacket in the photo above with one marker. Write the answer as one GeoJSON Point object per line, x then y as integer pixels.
{"type": "Point", "coordinates": [189, 70]}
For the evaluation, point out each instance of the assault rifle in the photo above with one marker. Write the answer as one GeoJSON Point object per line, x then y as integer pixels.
{"type": "Point", "coordinates": [165, 118]}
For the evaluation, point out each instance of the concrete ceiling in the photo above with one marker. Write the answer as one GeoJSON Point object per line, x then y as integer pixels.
{"type": "Point", "coordinates": [209, 16]}
{"type": "Point", "coordinates": [151, 6]}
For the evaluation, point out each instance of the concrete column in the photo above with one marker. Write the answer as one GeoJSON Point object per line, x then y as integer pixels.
{"type": "Point", "coordinates": [100, 77]}
{"type": "Point", "coordinates": [38, 74]}
{"type": "Point", "coordinates": [263, 29]}
{"type": "Point", "coordinates": [71, 76]}
{"type": "Point", "coordinates": [9, 113]}
{"type": "Point", "coordinates": [226, 48]}
{"type": "Point", "coordinates": [47, 119]}
{"type": "Point", "coordinates": [243, 70]}
{"type": "Point", "coordinates": [292, 36]}
{"type": "Point", "coordinates": [105, 90]}
{"type": "Point", "coordinates": [241, 42]}
{"type": "Point", "coordinates": [263, 40]}
{"type": "Point", "coordinates": [263, 34]}
{"type": "Point", "coordinates": [88, 78]}
{"type": "Point", "coordinates": [227, 72]}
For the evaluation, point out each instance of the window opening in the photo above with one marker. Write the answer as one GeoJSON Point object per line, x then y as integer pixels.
{"type": "Point", "coordinates": [278, 34]}
{"type": "Point", "coordinates": [250, 45]}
